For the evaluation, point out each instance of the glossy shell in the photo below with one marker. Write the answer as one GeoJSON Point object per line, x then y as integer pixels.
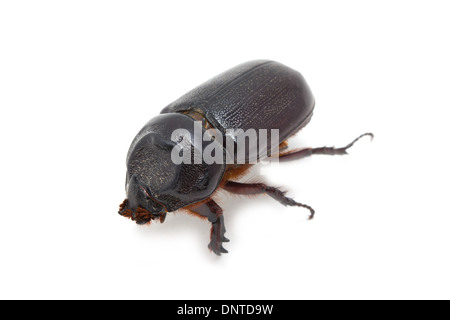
{"type": "Point", "coordinates": [259, 94]}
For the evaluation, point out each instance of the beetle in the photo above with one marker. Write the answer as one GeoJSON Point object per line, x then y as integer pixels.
{"type": "Point", "coordinates": [256, 95]}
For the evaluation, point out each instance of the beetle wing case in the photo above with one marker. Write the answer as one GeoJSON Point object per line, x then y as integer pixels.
{"type": "Point", "coordinates": [259, 94]}
{"type": "Point", "coordinates": [149, 162]}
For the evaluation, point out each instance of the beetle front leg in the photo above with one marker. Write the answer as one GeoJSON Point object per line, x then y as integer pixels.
{"type": "Point", "coordinates": [214, 213]}
{"type": "Point", "coordinates": [261, 188]}
{"type": "Point", "coordinates": [303, 153]}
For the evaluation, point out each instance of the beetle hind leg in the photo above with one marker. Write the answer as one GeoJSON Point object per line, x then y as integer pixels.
{"type": "Point", "coordinates": [261, 188]}
{"type": "Point", "coordinates": [303, 153]}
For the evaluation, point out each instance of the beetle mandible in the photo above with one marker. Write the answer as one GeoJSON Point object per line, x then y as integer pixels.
{"type": "Point", "coordinates": [257, 95]}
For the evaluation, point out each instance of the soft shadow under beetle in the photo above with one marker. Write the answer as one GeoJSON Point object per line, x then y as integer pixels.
{"type": "Point", "coordinates": [257, 95]}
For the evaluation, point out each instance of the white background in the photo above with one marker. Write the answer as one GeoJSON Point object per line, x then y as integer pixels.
{"type": "Point", "coordinates": [78, 80]}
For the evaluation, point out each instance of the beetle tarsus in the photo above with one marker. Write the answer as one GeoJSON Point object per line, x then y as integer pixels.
{"type": "Point", "coordinates": [260, 188]}
{"type": "Point", "coordinates": [331, 151]}
{"type": "Point", "coordinates": [278, 195]}
{"type": "Point", "coordinates": [353, 142]}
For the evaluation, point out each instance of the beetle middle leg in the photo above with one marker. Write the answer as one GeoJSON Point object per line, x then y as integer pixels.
{"type": "Point", "coordinates": [214, 213]}
{"type": "Point", "coordinates": [261, 188]}
{"type": "Point", "coordinates": [303, 153]}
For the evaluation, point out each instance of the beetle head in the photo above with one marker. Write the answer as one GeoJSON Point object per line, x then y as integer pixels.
{"type": "Point", "coordinates": [140, 206]}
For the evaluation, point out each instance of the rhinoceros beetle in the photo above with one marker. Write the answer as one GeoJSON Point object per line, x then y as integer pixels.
{"type": "Point", "coordinates": [261, 95]}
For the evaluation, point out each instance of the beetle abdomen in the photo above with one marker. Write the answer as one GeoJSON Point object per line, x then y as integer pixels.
{"type": "Point", "coordinates": [256, 95]}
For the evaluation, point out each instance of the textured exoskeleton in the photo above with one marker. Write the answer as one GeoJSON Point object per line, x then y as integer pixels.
{"type": "Point", "coordinates": [255, 95]}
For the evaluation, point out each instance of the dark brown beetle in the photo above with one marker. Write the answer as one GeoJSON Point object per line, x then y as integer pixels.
{"type": "Point", "coordinates": [257, 95]}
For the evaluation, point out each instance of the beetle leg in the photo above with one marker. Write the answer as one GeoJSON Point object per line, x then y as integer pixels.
{"type": "Point", "coordinates": [214, 213]}
{"type": "Point", "coordinates": [303, 153]}
{"type": "Point", "coordinates": [260, 188]}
